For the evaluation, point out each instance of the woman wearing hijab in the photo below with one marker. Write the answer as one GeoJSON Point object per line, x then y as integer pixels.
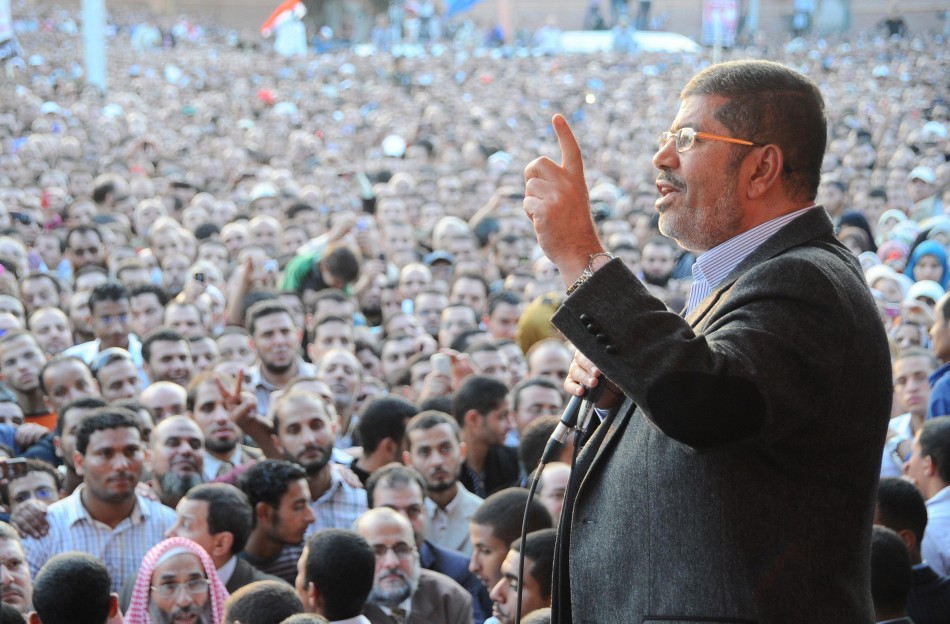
{"type": "Point", "coordinates": [928, 261]}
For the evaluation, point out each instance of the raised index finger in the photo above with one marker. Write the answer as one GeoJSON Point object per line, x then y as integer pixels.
{"type": "Point", "coordinates": [571, 159]}
{"type": "Point", "coordinates": [240, 382]}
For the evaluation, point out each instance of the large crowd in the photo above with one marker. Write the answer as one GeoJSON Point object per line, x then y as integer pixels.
{"type": "Point", "coordinates": [246, 299]}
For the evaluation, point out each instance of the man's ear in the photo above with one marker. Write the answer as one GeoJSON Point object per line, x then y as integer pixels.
{"type": "Point", "coordinates": [930, 468]}
{"type": "Point", "coordinates": [472, 417]}
{"type": "Point", "coordinates": [263, 513]}
{"type": "Point", "coordinates": [57, 446]}
{"type": "Point", "coordinates": [77, 463]}
{"type": "Point", "coordinates": [406, 459]}
{"type": "Point", "coordinates": [310, 351]}
{"type": "Point", "coordinates": [276, 441]}
{"type": "Point", "coordinates": [115, 613]}
{"type": "Point", "coordinates": [221, 543]}
{"type": "Point", "coordinates": [767, 170]}
{"type": "Point", "coordinates": [34, 618]}
{"type": "Point", "coordinates": [463, 451]}
{"type": "Point", "coordinates": [910, 540]}
{"type": "Point", "coordinates": [390, 448]}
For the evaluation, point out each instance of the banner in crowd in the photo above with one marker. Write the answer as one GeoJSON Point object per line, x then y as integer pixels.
{"type": "Point", "coordinates": [721, 15]}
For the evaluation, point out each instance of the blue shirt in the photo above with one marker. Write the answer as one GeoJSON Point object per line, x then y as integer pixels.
{"type": "Point", "coordinates": [939, 404]}
{"type": "Point", "coordinates": [715, 265]}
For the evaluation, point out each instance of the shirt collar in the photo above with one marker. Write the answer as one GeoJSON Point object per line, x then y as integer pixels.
{"type": "Point", "coordinates": [336, 483]}
{"type": "Point", "coordinates": [76, 511]}
{"type": "Point", "coordinates": [939, 497]}
{"type": "Point", "coordinates": [227, 570]}
{"type": "Point", "coordinates": [716, 264]}
{"type": "Point", "coordinates": [456, 501]}
{"type": "Point", "coordinates": [256, 378]}
{"type": "Point", "coordinates": [212, 463]}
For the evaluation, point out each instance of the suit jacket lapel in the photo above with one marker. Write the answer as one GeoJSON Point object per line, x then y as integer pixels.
{"type": "Point", "coordinates": [603, 439]}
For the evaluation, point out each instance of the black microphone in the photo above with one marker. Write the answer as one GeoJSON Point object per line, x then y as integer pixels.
{"type": "Point", "coordinates": [568, 423]}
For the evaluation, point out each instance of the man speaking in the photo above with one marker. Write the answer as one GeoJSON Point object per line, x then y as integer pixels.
{"type": "Point", "coordinates": [733, 474]}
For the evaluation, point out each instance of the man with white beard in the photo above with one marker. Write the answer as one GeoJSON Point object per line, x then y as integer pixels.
{"type": "Point", "coordinates": [177, 583]}
{"type": "Point", "coordinates": [402, 591]}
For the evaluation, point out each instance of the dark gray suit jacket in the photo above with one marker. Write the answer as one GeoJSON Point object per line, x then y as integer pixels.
{"type": "Point", "coordinates": [245, 574]}
{"type": "Point", "coordinates": [437, 600]}
{"type": "Point", "coordinates": [736, 482]}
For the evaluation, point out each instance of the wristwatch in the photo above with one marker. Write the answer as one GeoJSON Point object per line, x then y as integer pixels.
{"type": "Point", "coordinates": [589, 271]}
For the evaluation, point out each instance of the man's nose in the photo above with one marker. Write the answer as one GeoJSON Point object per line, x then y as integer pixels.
{"type": "Point", "coordinates": [390, 557]}
{"type": "Point", "coordinates": [665, 157]}
{"type": "Point", "coordinates": [498, 592]}
{"type": "Point", "coordinates": [184, 598]}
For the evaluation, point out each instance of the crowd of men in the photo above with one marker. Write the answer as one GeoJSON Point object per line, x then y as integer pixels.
{"type": "Point", "coordinates": [280, 330]}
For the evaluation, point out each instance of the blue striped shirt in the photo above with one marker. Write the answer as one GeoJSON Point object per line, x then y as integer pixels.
{"type": "Point", "coordinates": [711, 268]}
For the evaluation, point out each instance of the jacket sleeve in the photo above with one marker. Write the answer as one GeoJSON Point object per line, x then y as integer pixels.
{"type": "Point", "coordinates": [741, 375]}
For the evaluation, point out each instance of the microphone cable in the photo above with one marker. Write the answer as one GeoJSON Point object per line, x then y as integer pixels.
{"type": "Point", "coordinates": [575, 418]}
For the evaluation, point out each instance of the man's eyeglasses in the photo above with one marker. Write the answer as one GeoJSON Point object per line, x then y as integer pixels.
{"type": "Point", "coordinates": [686, 138]}
{"type": "Point", "coordinates": [192, 586]}
{"type": "Point", "coordinates": [401, 550]}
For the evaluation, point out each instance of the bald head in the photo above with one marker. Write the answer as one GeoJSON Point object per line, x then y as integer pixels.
{"type": "Point", "coordinates": [382, 517]}
{"type": "Point", "coordinates": [164, 399]}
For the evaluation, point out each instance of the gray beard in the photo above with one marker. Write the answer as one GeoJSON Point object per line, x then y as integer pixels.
{"type": "Point", "coordinates": [175, 486]}
{"type": "Point", "coordinates": [160, 617]}
{"type": "Point", "coordinates": [395, 596]}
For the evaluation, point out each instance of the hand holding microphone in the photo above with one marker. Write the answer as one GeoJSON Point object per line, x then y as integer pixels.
{"type": "Point", "coordinates": [583, 375]}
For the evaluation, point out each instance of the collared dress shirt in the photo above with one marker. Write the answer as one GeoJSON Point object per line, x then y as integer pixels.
{"type": "Point", "coordinates": [121, 549]}
{"type": "Point", "coordinates": [935, 547]}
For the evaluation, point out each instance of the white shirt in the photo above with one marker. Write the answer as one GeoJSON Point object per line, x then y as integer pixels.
{"type": "Point", "coordinates": [213, 464]}
{"type": "Point", "coordinates": [263, 388]}
{"type": "Point", "coordinates": [448, 527]}
{"type": "Point", "coordinates": [892, 464]}
{"type": "Point", "coordinates": [935, 549]}
{"type": "Point", "coordinates": [227, 570]}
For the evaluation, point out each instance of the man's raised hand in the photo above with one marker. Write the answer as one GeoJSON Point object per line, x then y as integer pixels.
{"type": "Point", "coordinates": [556, 201]}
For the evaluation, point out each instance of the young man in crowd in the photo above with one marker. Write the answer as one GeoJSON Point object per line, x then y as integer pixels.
{"type": "Point", "coordinates": [436, 451]}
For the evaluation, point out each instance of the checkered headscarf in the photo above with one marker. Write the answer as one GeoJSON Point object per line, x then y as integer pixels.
{"type": "Point", "coordinates": [138, 607]}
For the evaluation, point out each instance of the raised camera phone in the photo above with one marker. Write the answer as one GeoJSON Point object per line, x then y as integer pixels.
{"type": "Point", "coordinates": [14, 468]}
